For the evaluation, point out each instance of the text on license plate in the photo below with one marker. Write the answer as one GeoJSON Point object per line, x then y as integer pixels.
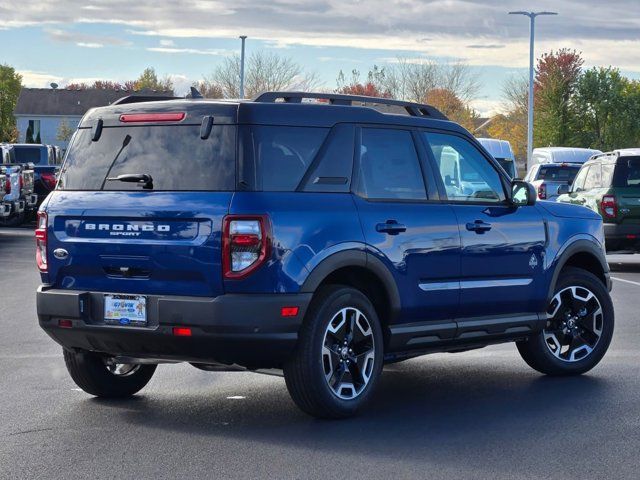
{"type": "Point", "coordinates": [125, 310]}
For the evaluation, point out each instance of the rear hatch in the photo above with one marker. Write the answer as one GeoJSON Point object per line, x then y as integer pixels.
{"type": "Point", "coordinates": [160, 233]}
{"type": "Point", "coordinates": [552, 176]}
{"type": "Point", "coordinates": [625, 188]}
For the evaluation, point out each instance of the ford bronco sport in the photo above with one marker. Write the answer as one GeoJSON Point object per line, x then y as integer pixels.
{"type": "Point", "coordinates": [322, 238]}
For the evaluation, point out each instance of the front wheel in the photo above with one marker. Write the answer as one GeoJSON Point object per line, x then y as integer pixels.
{"type": "Point", "coordinates": [101, 376]}
{"type": "Point", "coordinates": [338, 359]}
{"type": "Point", "coordinates": [579, 327]}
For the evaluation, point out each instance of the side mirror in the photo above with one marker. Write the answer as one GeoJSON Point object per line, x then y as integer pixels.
{"type": "Point", "coordinates": [523, 194]}
{"type": "Point", "coordinates": [564, 189]}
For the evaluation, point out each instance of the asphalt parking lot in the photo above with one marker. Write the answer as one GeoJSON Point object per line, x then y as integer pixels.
{"type": "Point", "coordinates": [481, 414]}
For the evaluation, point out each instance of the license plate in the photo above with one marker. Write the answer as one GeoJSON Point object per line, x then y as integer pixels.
{"type": "Point", "coordinates": [128, 310]}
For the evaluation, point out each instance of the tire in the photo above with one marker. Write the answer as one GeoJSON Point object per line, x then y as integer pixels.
{"type": "Point", "coordinates": [572, 318]}
{"type": "Point", "coordinates": [321, 356]}
{"type": "Point", "coordinates": [90, 372]}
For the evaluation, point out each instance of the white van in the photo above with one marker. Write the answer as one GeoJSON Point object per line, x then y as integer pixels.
{"type": "Point", "coordinates": [502, 152]}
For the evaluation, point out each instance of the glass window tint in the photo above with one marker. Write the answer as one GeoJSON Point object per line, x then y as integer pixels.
{"type": "Point", "coordinates": [627, 172]}
{"type": "Point", "coordinates": [558, 173]}
{"type": "Point", "coordinates": [331, 171]}
{"type": "Point", "coordinates": [389, 166]}
{"type": "Point", "coordinates": [467, 175]}
{"type": "Point", "coordinates": [578, 182]}
{"type": "Point", "coordinates": [283, 155]}
{"type": "Point", "coordinates": [607, 174]}
{"type": "Point", "coordinates": [35, 155]}
{"type": "Point", "coordinates": [594, 177]}
{"type": "Point", "coordinates": [175, 156]}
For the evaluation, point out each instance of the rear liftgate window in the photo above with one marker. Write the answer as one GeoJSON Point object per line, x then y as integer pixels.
{"type": "Point", "coordinates": [174, 156]}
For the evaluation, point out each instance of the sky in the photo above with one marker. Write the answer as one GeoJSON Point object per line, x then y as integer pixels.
{"type": "Point", "coordinates": [84, 40]}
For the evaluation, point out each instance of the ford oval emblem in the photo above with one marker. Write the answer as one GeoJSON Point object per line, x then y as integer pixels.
{"type": "Point", "coordinates": [60, 253]}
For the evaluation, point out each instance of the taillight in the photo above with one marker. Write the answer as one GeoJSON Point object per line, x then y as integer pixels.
{"type": "Point", "coordinates": [245, 244]}
{"type": "Point", "coordinates": [542, 191]}
{"type": "Point", "coordinates": [21, 181]}
{"type": "Point", "coordinates": [49, 179]}
{"type": "Point", "coordinates": [41, 242]}
{"type": "Point", "coordinates": [7, 185]}
{"type": "Point", "coordinates": [609, 206]}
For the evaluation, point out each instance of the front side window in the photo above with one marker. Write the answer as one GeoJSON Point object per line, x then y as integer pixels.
{"type": "Point", "coordinates": [389, 166]}
{"type": "Point", "coordinates": [578, 183]}
{"type": "Point", "coordinates": [467, 175]}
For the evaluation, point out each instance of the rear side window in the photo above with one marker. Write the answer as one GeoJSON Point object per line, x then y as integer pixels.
{"type": "Point", "coordinates": [560, 173]}
{"type": "Point", "coordinates": [281, 155]}
{"type": "Point", "coordinates": [594, 177]}
{"type": "Point", "coordinates": [30, 155]}
{"type": "Point", "coordinates": [627, 172]}
{"type": "Point", "coordinates": [389, 166]}
{"type": "Point", "coordinates": [174, 155]}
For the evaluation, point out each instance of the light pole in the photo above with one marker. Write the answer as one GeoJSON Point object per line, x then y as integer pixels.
{"type": "Point", "coordinates": [243, 38]}
{"type": "Point", "coordinates": [532, 26]}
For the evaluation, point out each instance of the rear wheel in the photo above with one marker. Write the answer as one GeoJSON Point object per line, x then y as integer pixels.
{"type": "Point", "coordinates": [101, 376]}
{"type": "Point", "coordinates": [338, 359]}
{"type": "Point", "coordinates": [580, 321]}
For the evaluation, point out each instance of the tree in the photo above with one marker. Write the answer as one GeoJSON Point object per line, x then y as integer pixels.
{"type": "Point", "coordinates": [10, 86]}
{"type": "Point", "coordinates": [208, 89]}
{"type": "Point", "coordinates": [453, 107]}
{"type": "Point", "coordinates": [129, 85]}
{"type": "Point", "coordinates": [372, 87]}
{"type": "Point", "coordinates": [556, 78]}
{"type": "Point", "coordinates": [149, 80]}
{"type": "Point", "coordinates": [64, 131]}
{"type": "Point", "coordinates": [263, 72]}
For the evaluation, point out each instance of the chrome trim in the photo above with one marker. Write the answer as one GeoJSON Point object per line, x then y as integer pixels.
{"type": "Point", "coordinates": [469, 284]}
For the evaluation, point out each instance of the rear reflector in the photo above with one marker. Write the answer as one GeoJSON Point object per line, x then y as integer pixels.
{"type": "Point", "coordinates": [152, 117]}
{"type": "Point", "coordinates": [182, 331]}
{"type": "Point", "coordinates": [289, 311]}
{"type": "Point", "coordinates": [631, 237]}
{"type": "Point", "coordinates": [65, 323]}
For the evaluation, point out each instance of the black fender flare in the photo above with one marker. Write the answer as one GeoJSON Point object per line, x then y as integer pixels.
{"type": "Point", "coordinates": [355, 258]}
{"type": "Point", "coordinates": [578, 246]}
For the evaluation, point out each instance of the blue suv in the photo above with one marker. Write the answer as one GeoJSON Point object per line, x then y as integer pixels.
{"type": "Point", "coordinates": [324, 235]}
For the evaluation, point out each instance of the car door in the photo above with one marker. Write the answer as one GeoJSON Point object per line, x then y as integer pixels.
{"type": "Point", "coordinates": [503, 246]}
{"type": "Point", "coordinates": [578, 192]}
{"type": "Point", "coordinates": [407, 227]}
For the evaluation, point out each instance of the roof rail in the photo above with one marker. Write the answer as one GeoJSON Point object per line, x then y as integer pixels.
{"type": "Point", "coordinates": [413, 109]}
{"type": "Point", "coordinates": [142, 98]}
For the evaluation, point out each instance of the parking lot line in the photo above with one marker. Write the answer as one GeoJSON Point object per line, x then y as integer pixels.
{"type": "Point", "coordinates": [626, 281]}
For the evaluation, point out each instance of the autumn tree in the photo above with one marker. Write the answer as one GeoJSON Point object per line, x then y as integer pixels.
{"type": "Point", "coordinates": [10, 86]}
{"type": "Point", "coordinates": [371, 87]}
{"type": "Point", "coordinates": [129, 85]}
{"type": "Point", "coordinates": [65, 131]}
{"type": "Point", "coordinates": [263, 72]}
{"type": "Point", "coordinates": [148, 80]}
{"type": "Point", "coordinates": [209, 89]}
{"type": "Point", "coordinates": [452, 106]}
{"type": "Point", "coordinates": [556, 78]}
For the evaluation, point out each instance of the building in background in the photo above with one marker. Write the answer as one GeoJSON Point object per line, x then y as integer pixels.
{"type": "Point", "coordinates": [50, 115]}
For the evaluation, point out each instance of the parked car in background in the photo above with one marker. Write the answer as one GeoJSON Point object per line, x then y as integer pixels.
{"type": "Point", "coordinates": [552, 167]}
{"type": "Point", "coordinates": [19, 199]}
{"type": "Point", "coordinates": [324, 239]}
{"type": "Point", "coordinates": [609, 184]}
{"type": "Point", "coordinates": [502, 152]}
{"type": "Point", "coordinates": [46, 160]}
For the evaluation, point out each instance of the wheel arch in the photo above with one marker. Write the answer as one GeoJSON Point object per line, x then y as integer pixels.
{"type": "Point", "coordinates": [361, 270]}
{"type": "Point", "coordinates": [585, 254]}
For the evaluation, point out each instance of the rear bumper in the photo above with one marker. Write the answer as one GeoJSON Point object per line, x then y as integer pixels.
{"type": "Point", "coordinates": [244, 329]}
{"type": "Point", "coordinates": [622, 237]}
{"type": "Point", "coordinates": [5, 209]}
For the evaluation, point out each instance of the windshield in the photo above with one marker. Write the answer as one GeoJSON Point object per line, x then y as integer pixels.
{"type": "Point", "coordinates": [35, 155]}
{"type": "Point", "coordinates": [558, 173]}
{"type": "Point", "coordinates": [174, 156]}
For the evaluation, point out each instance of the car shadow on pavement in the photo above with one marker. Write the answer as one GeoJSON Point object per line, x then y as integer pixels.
{"type": "Point", "coordinates": [438, 411]}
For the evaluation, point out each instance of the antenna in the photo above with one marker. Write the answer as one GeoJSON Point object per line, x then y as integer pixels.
{"type": "Point", "coordinates": [195, 93]}
{"type": "Point", "coordinates": [53, 85]}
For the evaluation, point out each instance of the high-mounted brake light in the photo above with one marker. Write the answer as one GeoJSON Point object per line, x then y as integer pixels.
{"type": "Point", "coordinates": [609, 206]}
{"type": "Point", "coordinates": [41, 242]}
{"type": "Point", "coordinates": [246, 244]}
{"type": "Point", "coordinates": [152, 117]}
{"type": "Point", "coordinates": [542, 191]}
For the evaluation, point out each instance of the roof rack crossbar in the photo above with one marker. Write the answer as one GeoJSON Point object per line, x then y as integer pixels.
{"type": "Point", "coordinates": [413, 109]}
{"type": "Point", "coordinates": [142, 98]}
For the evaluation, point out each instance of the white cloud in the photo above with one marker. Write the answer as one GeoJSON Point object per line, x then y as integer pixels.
{"type": "Point", "coordinates": [167, 43]}
{"type": "Point", "coordinates": [194, 51]}
{"type": "Point", "coordinates": [89, 45]}
{"type": "Point", "coordinates": [34, 79]}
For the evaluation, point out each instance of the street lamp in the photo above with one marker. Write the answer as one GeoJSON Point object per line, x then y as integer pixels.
{"type": "Point", "coordinates": [243, 38]}
{"type": "Point", "coordinates": [532, 18]}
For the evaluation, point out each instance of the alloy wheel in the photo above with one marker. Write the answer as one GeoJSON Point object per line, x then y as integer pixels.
{"type": "Point", "coordinates": [348, 353]}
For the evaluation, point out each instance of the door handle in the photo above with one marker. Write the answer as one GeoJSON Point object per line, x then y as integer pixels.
{"type": "Point", "coordinates": [479, 226]}
{"type": "Point", "coordinates": [392, 227]}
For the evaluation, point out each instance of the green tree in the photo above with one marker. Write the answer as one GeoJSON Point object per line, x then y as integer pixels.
{"type": "Point", "coordinates": [64, 131]}
{"type": "Point", "coordinates": [607, 106]}
{"type": "Point", "coordinates": [149, 80]}
{"type": "Point", "coordinates": [557, 75]}
{"type": "Point", "coordinates": [10, 85]}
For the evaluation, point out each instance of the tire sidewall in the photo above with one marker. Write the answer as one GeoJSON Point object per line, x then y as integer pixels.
{"type": "Point", "coordinates": [321, 316]}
